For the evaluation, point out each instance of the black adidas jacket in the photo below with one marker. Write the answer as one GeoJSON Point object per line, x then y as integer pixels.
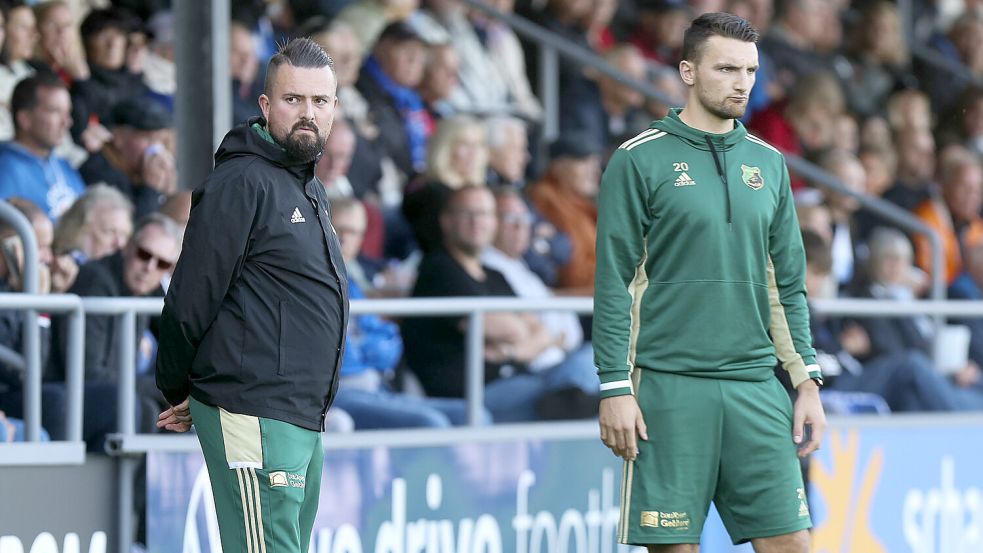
{"type": "Point", "coordinates": [254, 319]}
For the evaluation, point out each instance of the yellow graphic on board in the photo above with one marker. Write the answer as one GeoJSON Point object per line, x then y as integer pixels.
{"type": "Point", "coordinates": [847, 523]}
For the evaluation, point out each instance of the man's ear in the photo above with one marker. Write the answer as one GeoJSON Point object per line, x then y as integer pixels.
{"type": "Point", "coordinates": [687, 72]}
{"type": "Point", "coordinates": [264, 106]}
{"type": "Point", "coordinates": [23, 118]}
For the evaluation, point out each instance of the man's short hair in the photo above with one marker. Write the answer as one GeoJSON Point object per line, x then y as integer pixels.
{"type": "Point", "coordinates": [497, 126]}
{"type": "Point", "coordinates": [715, 24]}
{"type": "Point", "coordinates": [25, 95]}
{"type": "Point", "coordinates": [102, 19]}
{"type": "Point", "coordinates": [170, 228]}
{"type": "Point", "coordinates": [346, 204]}
{"type": "Point", "coordinates": [450, 201]}
{"type": "Point", "coordinates": [299, 52]}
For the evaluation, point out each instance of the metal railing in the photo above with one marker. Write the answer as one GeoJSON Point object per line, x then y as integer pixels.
{"type": "Point", "coordinates": [551, 46]}
{"type": "Point", "coordinates": [126, 310]}
{"type": "Point", "coordinates": [72, 450]}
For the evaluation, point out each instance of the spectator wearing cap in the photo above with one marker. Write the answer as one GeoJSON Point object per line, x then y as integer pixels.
{"type": "Point", "coordinates": [388, 82]}
{"type": "Point", "coordinates": [104, 36]}
{"type": "Point", "coordinates": [41, 108]}
{"type": "Point", "coordinates": [135, 160]}
{"type": "Point", "coordinates": [566, 196]}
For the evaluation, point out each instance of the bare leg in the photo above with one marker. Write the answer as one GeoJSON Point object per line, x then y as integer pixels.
{"type": "Point", "coordinates": [796, 542]}
{"type": "Point", "coordinates": [675, 548]}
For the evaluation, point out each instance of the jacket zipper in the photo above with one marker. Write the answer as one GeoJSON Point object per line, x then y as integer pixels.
{"type": "Point", "coordinates": [722, 175]}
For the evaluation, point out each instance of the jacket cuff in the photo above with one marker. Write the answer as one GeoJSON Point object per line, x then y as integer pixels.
{"type": "Point", "coordinates": [615, 383]}
{"type": "Point", "coordinates": [797, 371]}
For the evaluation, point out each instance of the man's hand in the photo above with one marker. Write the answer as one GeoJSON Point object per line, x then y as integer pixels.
{"type": "Point", "coordinates": [621, 425]}
{"type": "Point", "coordinates": [176, 418]}
{"type": "Point", "coordinates": [968, 375]}
{"type": "Point", "coordinates": [64, 269]}
{"type": "Point", "coordinates": [95, 136]}
{"type": "Point", "coordinates": [159, 170]}
{"type": "Point", "coordinates": [9, 426]}
{"type": "Point", "coordinates": [808, 411]}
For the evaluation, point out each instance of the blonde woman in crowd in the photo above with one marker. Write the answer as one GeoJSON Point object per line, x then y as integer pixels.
{"type": "Point", "coordinates": [457, 156]}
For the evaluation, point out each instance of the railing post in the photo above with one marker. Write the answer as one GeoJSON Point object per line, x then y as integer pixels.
{"type": "Point", "coordinates": [906, 15]}
{"type": "Point", "coordinates": [32, 376]}
{"type": "Point", "coordinates": [126, 361]}
{"type": "Point", "coordinates": [549, 91]}
{"type": "Point", "coordinates": [75, 373]}
{"type": "Point", "coordinates": [474, 381]}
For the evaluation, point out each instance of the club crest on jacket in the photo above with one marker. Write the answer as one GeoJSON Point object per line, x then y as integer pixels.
{"type": "Point", "coordinates": [752, 177]}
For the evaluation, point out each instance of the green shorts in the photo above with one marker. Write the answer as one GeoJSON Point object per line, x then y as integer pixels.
{"type": "Point", "coordinates": [710, 439]}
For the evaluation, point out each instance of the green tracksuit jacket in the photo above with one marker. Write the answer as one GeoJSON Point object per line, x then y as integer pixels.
{"type": "Point", "coordinates": [700, 266]}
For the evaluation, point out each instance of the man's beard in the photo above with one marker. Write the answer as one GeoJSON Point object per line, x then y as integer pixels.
{"type": "Point", "coordinates": [301, 146]}
{"type": "Point", "coordinates": [723, 109]}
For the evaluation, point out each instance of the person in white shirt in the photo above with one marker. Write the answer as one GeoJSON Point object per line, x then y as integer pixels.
{"type": "Point", "coordinates": [505, 256]}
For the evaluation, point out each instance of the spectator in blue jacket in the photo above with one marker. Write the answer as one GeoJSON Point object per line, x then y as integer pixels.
{"type": "Point", "coordinates": [41, 108]}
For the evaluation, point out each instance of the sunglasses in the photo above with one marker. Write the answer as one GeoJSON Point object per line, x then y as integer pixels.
{"type": "Point", "coordinates": [146, 256]}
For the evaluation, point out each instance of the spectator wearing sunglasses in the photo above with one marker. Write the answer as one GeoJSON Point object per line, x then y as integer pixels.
{"type": "Point", "coordinates": [136, 271]}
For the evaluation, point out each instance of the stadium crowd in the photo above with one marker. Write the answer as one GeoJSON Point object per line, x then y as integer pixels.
{"type": "Point", "coordinates": [442, 184]}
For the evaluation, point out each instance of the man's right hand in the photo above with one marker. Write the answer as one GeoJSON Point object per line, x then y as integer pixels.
{"type": "Point", "coordinates": [621, 425]}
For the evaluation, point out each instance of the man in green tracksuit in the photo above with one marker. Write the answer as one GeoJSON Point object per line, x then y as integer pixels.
{"type": "Point", "coordinates": [700, 286]}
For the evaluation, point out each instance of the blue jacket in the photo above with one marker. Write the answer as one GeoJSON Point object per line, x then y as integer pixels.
{"type": "Point", "coordinates": [371, 341]}
{"type": "Point", "coordinates": [52, 183]}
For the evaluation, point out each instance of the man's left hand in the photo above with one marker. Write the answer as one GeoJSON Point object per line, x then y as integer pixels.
{"type": "Point", "coordinates": [808, 412]}
{"type": "Point", "coordinates": [177, 418]}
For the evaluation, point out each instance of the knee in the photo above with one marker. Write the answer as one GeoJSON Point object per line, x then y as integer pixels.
{"type": "Point", "coordinates": [430, 418]}
{"type": "Point", "coordinates": [675, 548]}
{"type": "Point", "coordinates": [796, 542]}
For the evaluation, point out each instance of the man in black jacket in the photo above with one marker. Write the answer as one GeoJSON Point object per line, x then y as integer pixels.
{"type": "Point", "coordinates": [254, 321]}
{"type": "Point", "coordinates": [136, 271]}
